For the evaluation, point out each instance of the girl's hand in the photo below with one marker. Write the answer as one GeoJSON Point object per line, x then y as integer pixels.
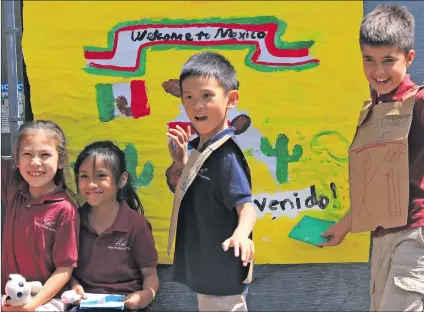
{"type": "Point", "coordinates": [79, 290]}
{"type": "Point", "coordinates": [180, 138]}
{"type": "Point", "coordinates": [71, 297]}
{"type": "Point", "coordinates": [138, 300]}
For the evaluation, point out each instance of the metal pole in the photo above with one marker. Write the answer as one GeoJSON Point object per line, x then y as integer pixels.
{"type": "Point", "coordinates": [15, 115]}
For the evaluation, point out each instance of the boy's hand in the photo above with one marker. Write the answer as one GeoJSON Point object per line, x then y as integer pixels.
{"type": "Point", "coordinates": [243, 244]}
{"type": "Point", "coordinates": [180, 138]}
{"type": "Point", "coordinates": [336, 234]}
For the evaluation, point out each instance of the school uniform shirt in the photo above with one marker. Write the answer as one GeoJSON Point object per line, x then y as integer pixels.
{"type": "Point", "coordinates": [40, 234]}
{"type": "Point", "coordinates": [207, 217]}
{"type": "Point", "coordinates": [111, 262]}
{"type": "Point", "coordinates": [415, 154]}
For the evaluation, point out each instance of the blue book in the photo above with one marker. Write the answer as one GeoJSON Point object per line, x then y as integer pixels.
{"type": "Point", "coordinates": [102, 301]}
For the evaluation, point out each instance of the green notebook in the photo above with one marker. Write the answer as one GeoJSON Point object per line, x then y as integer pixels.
{"type": "Point", "coordinates": [309, 230]}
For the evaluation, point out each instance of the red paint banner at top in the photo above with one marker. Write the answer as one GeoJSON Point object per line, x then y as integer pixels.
{"type": "Point", "coordinates": [128, 43]}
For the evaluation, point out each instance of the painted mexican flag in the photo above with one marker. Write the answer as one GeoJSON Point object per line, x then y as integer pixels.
{"type": "Point", "coordinates": [122, 100]}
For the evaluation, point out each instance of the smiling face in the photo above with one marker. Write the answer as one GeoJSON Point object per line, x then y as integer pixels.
{"type": "Point", "coordinates": [206, 104]}
{"type": "Point", "coordinates": [366, 162]}
{"type": "Point", "coordinates": [96, 183]}
{"type": "Point", "coordinates": [385, 66]}
{"type": "Point", "coordinates": [38, 162]}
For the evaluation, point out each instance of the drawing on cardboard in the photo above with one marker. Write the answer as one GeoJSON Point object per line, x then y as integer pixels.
{"type": "Point", "coordinates": [385, 172]}
{"type": "Point", "coordinates": [366, 165]}
{"type": "Point", "coordinates": [391, 156]}
{"type": "Point", "coordinates": [393, 191]}
{"type": "Point", "coordinates": [393, 182]}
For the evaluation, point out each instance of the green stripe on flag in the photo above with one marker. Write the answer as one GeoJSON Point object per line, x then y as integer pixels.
{"type": "Point", "coordinates": [105, 102]}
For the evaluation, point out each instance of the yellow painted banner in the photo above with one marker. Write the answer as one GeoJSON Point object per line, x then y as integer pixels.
{"type": "Point", "coordinates": [109, 70]}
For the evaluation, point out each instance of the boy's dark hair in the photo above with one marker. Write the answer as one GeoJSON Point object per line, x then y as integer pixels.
{"type": "Point", "coordinates": [210, 64]}
{"type": "Point", "coordinates": [390, 25]}
{"type": "Point", "coordinates": [114, 158]}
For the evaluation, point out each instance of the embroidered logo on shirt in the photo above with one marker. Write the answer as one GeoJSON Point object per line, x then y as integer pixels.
{"type": "Point", "coordinates": [204, 170]}
{"type": "Point", "coordinates": [47, 223]}
{"type": "Point", "coordinates": [120, 245]}
{"type": "Point", "coordinates": [202, 173]}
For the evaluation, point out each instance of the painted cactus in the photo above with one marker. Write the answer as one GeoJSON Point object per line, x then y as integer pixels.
{"type": "Point", "coordinates": [146, 176]}
{"type": "Point", "coordinates": [281, 153]}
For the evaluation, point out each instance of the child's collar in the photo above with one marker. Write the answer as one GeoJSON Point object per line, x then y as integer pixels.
{"type": "Point", "coordinates": [227, 131]}
{"type": "Point", "coordinates": [121, 224]}
{"type": "Point", "coordinates": [58, 194]}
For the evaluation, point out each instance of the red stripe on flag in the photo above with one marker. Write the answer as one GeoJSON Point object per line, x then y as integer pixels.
{"type": "Point", "coordinates": [139, 103]}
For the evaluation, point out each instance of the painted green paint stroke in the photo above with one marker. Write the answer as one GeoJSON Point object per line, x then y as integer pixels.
{"type": "Point", "coordinates": [248, 59]}
{"type": "Point", "coordinates": [317, 147]}
{"type": "Point", "coordinates": [105, 102]}
{"type": "Point", "coordinates": [131, 158]}
{"type": "Point", "coordinates": [281, 152]}
{"type": "Point", "coordinates": [248, 152]}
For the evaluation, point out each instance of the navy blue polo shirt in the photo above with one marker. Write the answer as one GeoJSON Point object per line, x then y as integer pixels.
{"type": "Point", "coordinates": [207, 217]}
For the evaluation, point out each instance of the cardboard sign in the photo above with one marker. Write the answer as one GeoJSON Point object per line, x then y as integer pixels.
{"type": "Point", "coordinates": [379, 167]}
{"type": "Point", "coordinates": [194, 164]}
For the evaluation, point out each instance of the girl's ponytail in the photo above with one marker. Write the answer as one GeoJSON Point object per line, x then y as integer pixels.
{"type": "Point", "coordinates": [128, 194]}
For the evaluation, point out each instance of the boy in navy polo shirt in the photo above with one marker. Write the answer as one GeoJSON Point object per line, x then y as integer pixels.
{"type": "Point", "coordinates": [216, 211]}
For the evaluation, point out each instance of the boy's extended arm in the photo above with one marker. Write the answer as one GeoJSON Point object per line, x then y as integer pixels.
{"type": "Point", "coordinates": [247, 219]}
{"type": "Point", "coordinates": [240, 240]}
{"type": "Point", "coordinates": [337, 232]}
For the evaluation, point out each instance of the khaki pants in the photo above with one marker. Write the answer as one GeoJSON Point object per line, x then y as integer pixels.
{"type": "Point", "coordinates": [222, 303]}
{"type": "Point", "coordinates": [397, 271]}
